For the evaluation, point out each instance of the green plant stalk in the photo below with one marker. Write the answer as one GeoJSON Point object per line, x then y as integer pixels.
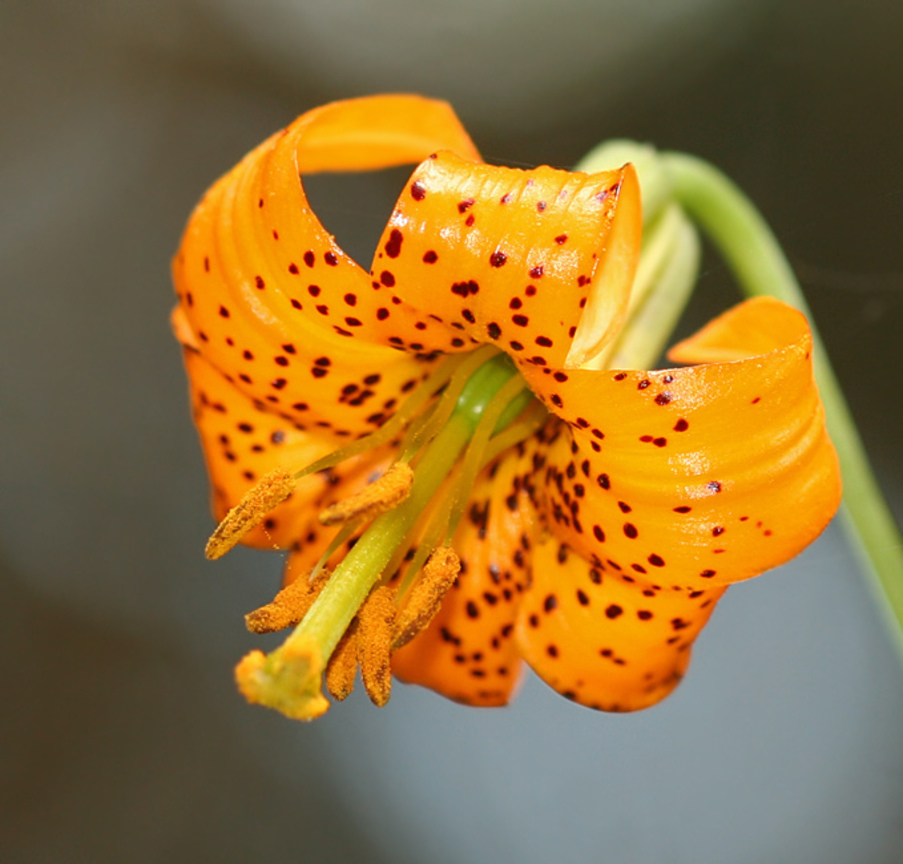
{"type": "Point", "coordinates": [748, 245]}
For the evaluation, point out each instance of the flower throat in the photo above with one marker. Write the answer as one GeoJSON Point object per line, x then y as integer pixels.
{"type": "Point", "coordinates": [470, 409]}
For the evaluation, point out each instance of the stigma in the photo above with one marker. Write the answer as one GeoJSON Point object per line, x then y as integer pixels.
{"type": "Point", "coordinates": [397, 531]}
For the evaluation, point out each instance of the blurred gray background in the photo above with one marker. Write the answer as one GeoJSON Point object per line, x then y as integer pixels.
{"type": "Point", "coordinates": [121, 737]}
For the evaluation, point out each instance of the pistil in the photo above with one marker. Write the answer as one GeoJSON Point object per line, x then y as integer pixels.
{"type": "Point", "coordinates": [477, 403]}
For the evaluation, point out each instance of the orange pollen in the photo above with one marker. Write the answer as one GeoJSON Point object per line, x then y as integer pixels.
{"type": "Point", "coordinates": [287, 608]}
{"type": "Point", "coordinates": [269, 492]}
{"type": "Point", "coordinates": [382, 494]}
{"type": "Point", "coordinates": [439, 574]}
{"type": "Point", "coordinates": [342, 666]}
{"type": "Point", "coordinates": [376, 623]}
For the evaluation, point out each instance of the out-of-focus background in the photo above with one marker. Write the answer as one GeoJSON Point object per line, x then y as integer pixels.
{"type": "Point", "coordinates": [121, 737]}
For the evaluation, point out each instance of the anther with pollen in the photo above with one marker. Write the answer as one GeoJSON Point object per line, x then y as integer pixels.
{"type": "Point", "coordinates": [438, 575]}
{"type": "Point", "coordinates": [376, 622]}
{"type": "Point", "coordinates": [268, 493]}
{"type": "Point", "coordinates": [288, 607]}
{"type": "Point", "coordinates": [380, 496]}
{"type": "Point", "coordinates": [342, 666]}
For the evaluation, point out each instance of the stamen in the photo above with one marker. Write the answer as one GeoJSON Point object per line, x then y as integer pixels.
{"type": "Point", "coordinates": [376, 623]}
{"type": "Point", "coordinates": [334, 545]}
{"type": "Point", "coordinates": [269, 492]}
{"type": "Point", "coordinates": [287, 608]}
{"type": "Point", "coordinates": [425, 598]}
{"type": "Point", "coordinates": [289, 679]}
{"type": "Point", "coordinates": [411, 407]}
{"type": "Point", "coordinates": [506, 404]}
{"type": "Point", "coordinates": [383, 494]}
{"type": "Point", "coordinates": [447, 402]}
{"type": "Point", "coordinates": [529, 423]}
{"type": "Point", "coordinates": [342, 666]}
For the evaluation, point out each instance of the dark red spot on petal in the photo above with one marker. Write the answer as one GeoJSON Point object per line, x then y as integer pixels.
{"type": "Point", "coordinates": [393, 245]}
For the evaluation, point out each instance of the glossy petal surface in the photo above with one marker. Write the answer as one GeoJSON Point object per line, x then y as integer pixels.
{"type": "Point", "coordinates": [600, 640]}
{"type": "Point", "coordinates": [513, 257]}
{"type": "Point", "coordinates": [242, 442]}
{"type": "Point", "coordinates": [595, 551]}
{"type": "Point", "coordinates": [269, 295]}
{"type": "Point", "coordinates": [699, 476]}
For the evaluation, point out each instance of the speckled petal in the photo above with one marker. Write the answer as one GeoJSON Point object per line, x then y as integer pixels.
{"type": "Point", "coordinates": [242, 442]}
{"type": "Point", "coordinates": [699, 476]}
{"type": "Point", "coordinates": [268, 296]}
{"type": "Point", "coordinates": [468, 653]}
{"type": "Point", "coordinates": [602, 641]}
{"type": "Point", "coordinates": [513, 257]}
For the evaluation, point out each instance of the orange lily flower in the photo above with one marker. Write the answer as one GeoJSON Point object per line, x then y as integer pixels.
{"type": "Point", "coordinates": [588, 526]}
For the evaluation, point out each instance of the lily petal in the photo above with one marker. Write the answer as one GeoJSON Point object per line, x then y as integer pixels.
{"type": "Point", "coordinates": [699, 476]}
{"type": "Point", "coordinates": [242, 442]}
{"type": "Point", "coordinates": [272, 299]}
{"type": "Point", "coordinates": [514, 257]}
{"type": "Point", "coordinates": [599, 641]}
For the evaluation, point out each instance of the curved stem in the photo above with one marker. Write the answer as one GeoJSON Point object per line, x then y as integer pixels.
{"type": "Point", "coordinates": [750, 248]}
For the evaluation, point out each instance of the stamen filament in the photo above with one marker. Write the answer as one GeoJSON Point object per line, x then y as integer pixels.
{"type": "Point", "coordinates": [491, 397]}
{"type": "Point", "coordinates": [530, 422]}
{"type": "Point", "coordinates": [507, 404]}
{"type": "Point", "coordinates": [412, 406]}
{"type": "Point", "coordinates": [335, 544]}
{"type": "Point", "coordinates": [447, 402]}
{"type": "Point", "coordinates": [512, 399]}
{"type": "Point", "coordinates": [359, 570]}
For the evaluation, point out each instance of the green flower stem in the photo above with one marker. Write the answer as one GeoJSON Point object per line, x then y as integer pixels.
{"type": "Point", "coordinates": [359, 571]}
{"type": "Point", "coordinates": [749, 247]}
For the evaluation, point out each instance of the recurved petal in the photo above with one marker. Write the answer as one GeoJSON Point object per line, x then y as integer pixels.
{"type": "Point", "coordinates": [699, 476]}
{"type": "Point", "coordinates": [268, 296]}
{"type": "Point", "coordinates": [379, 132]}
{"type": "Point", "coordinates": [468, 653]}
{"type": "Point", "coordinates": [537, 262]}
{"type": "Point", "coordinates": [242, 442]}
{"type": "Point", "coordinates": [604, 642]}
